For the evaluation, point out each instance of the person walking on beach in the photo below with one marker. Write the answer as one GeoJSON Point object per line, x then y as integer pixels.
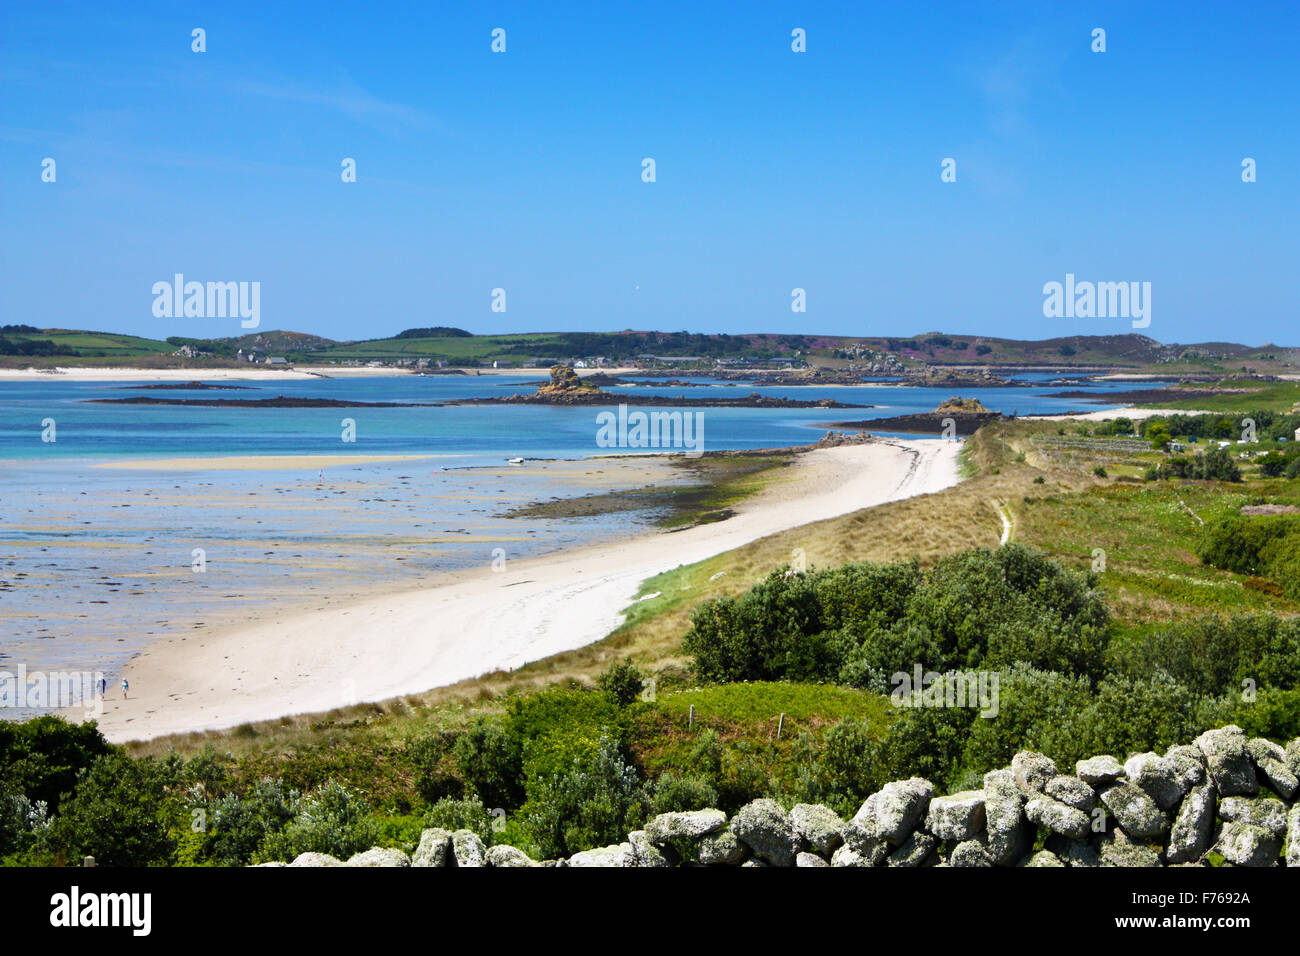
{"type": "Point", "coordinates": [125, 685]}
{"type": "Point", "coordinates": [103, 687]}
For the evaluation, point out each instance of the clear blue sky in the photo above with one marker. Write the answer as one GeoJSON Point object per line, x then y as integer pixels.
{"type": "Point", "coordinates": [775, 169]}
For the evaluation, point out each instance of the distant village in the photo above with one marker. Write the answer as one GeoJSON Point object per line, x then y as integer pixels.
{"type": "Point", "coordinates": [258, 356]}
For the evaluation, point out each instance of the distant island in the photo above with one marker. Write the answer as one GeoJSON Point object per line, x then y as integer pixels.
{"type": "Point", "coordinates": [566, 388]}
{"type": "Point", "coordinates": [934, 359]}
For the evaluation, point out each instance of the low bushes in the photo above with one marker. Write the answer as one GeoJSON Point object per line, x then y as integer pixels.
{"type": "Point", "coordinates": [862, 623]}
{"type": "Point", "coordinates": [1263, 545]}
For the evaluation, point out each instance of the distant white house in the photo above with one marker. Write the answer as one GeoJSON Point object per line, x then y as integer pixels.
{"type": "Point", "coordinates": [1297, 434]}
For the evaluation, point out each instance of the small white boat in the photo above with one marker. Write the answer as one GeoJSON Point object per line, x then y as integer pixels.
{"type": "Point", "coordinates": [515, 461]}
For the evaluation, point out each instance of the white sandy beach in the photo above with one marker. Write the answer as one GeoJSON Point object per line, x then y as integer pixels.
{"type": "Point", "coordinates": [473, 622]}
{"type": "Point", "coordinates": [256, 462]}
{"type": "Point", "coordinates": [1129, 412]}
{"type": "Point", "coordinates": [253, 373]}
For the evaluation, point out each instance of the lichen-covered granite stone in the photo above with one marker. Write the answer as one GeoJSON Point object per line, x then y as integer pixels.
{"type": "Point", "coordinates": [1158, 776]}
{"type": "Point", "coordinates": [915, 850]}
{"type": "Point", "coordinates": [379, 856]}
{"type": "Point", "coordinates": [647, 854]}
{"type": "Point", "coordinates": [505, 856]}
{"type": "Point", "coordinates": [722, 849]}
{"type": "Point", "coordinates": [1057, 817]}
{"type": "Point", "coordinates": [1193, 830]}
{"type": "Point", "coordinates": [896, 810]}
{"type": "Point", "coordinates": [1263, 812]}
{"type": "Point", "coordinates": [434, 848]}
{"type": "Point", "coordinates": [1271, 767]}
{"type": "Point", "coordinates": [1071, 791]}
{"type": "Point", "coordinates": [1041, 858]}
{"type": "Point", "coordinates": [1293, 836]}
{"type": "Point", "coordinates": [467, 849]}
{"type": "Point", "coordinates": [956, 817]}
{"type": "Point", "coordinates": [1134, 811]}
{"type": "Point", "coordinates": [1244, 844]}
{"type": "Point", "coordinates": [1099, 771]}
{"type": "Point", "coordinates": [765, 827]}
{"type": "Point", "coordinates": [1009, 833]}
{"type": "Point", "coordinates": [809, 859]}
{"type": "Point", "coordinates": [818, 826]}
{"type": "Point", "coordinates": [688, 825]}
{"type": "Point", "coordinates": [619, 854]}
{"type": "Point", "coordinates": [1228, 761]}
{"type": "Point", "coordinates": [969, 853]}
{"type": "Point", "coordinates": [1032, 771]}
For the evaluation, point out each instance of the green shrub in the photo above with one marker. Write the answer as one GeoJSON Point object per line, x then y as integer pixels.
{"type": "Point", "coordinates": [861, 623]}
{"type": "Point", "coordinates": [491, 761]}
{"type": "Point", "coordinates": [115, 814]}
{"type": "Point", "coordinates": [597, 801]}
{"type": "Point", "coordinates": [1273, 713]}
{"type": "Point", "coordinates": [1135, 714]}
{"type": "Point", "coordinates": [467, 814]}
{"type": "Point", "coordinates": [1213, 656]}
{"type": "Point", "coordinates": [23, 824]}
{"type": "Point", "coordinates": [1275, 464]}
{"type": "Point", "coordinates": [237, 826]}
{"type": "Point", "coordinates": [43, 756]}
{"type": "Point", "coordinates": [1214, 465]}
{"type": "Point", "coordinates": [436, 771]}
{"type": "Point", "coordinates": [1262, 545]}
{"type": "Point", "coordinates": [556, 727]}
{"type": "Point", "coordinates": [1037, 710]}
{"type": "Point", "coordinates": [332, 819]}
{"type": "Point", "coordinates": [621, 681]}
{"type": "Point", "coordinates": [677, 791]}
{"type": "Point", "coordinates": [850, 767]}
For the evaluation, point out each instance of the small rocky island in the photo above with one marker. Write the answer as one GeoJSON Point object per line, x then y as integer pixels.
{"type": "Point", "coordinates": [182, 386]}
{"type": "Point", "coordinates": [566, 388]}
{"type": "Point", "coordinates": [967, 415]}
{"type": "Point", "coordinates": [937, 376]}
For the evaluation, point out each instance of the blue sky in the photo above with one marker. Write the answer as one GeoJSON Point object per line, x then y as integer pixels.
{"type": "Point", "coordinates": [775, 169]}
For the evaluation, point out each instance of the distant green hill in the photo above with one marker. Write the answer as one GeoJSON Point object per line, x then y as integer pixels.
{"type": "Point", "coordinates": [68, 343]}
{"type": "Point", "coordinates": [26, 345]}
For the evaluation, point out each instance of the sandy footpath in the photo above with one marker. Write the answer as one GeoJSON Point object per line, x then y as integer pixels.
{"type": "Point", "coordinates": [473, 622]}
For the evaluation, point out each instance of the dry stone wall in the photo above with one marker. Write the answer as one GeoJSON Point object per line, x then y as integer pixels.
{"type": "Point", "coordinates": [1224, 794]}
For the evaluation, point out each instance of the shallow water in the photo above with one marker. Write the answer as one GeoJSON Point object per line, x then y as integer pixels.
{"type": "Point", "coordinates": [95, 562]}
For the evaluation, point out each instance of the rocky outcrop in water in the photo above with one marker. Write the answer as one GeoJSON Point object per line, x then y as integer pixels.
{"type": "Point", "coordinates": [966, 415]}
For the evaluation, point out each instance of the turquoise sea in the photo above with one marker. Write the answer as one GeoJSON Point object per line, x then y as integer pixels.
{"type": "Point", "coordinates": [475, 433]}
{"type": "Point", "coordinates": [96, 562]}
